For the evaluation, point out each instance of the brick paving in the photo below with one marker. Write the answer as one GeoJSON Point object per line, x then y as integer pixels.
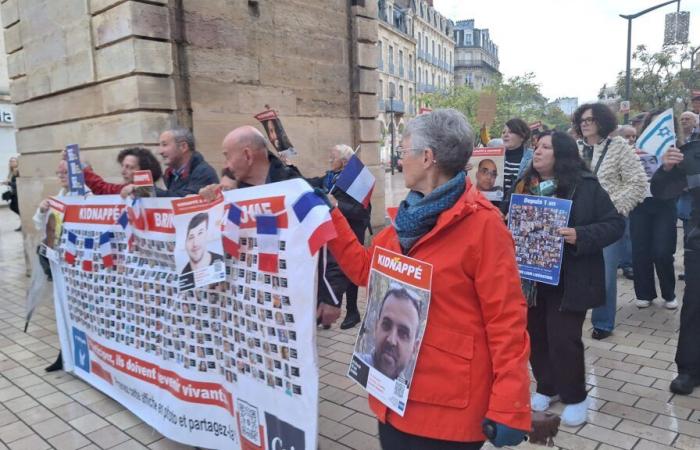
{"type": "Point", "coordinates": [628, 376]}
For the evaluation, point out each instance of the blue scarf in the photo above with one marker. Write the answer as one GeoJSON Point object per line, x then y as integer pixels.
{"type": "Point", "coordinates": [418, 214]}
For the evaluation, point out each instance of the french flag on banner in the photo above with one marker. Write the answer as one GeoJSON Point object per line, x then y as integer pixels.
{"type": "Point", "coordinates": [357, 181]}
{"type": "Point", "coordinates": [231, 233]}
{"type": "Point", "coordinates": [315, 220]}
{"type": "Point", "coordinates": [89, 244]}
{"type": "Point", "coordinates": [268, 243]}
{"type": "Point", "coordinates": [106, 249]}
{"type": "Point", "coordinates": [71, 248]}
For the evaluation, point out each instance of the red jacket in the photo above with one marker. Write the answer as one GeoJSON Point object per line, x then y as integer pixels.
{"type": "Point", "coordinates": [473, 360]}
{"type": "Point", "coordinates": [99, 186]}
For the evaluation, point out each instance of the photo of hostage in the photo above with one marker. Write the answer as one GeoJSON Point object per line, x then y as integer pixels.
{"type": "Point", "coordinates": [486, 176]}
{"type": "Point", "coordinates": [196, 248]}
{"type": "Point", "coordinates": [394, 337]}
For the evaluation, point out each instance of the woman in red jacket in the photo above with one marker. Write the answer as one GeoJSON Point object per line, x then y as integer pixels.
{"type": "Point", "coordinates": [472, 365]}
{"type": "Point", "coordinates": [130, 160]}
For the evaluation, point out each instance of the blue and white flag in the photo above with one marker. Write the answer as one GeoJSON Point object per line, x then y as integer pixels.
{"type": "Point", "coordinates": [659, 136]}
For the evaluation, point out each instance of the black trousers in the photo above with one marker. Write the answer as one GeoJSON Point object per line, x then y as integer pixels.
{"type": "Point", "coordinates": [351, 297]}
{"type": "Point", "coordinates": [392, 439]}
{"type": "Point", "coordinates": [653, 233]}
{"type": "Point", "coordinates": [688, 351]}
{"type": "Point", "coordinates": [556, 349]}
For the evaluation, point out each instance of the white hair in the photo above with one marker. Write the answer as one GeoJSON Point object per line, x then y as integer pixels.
{"type": "Point", "coordinates": [691, 113]}
{"type": "Point", "coordinates": [344, 151]}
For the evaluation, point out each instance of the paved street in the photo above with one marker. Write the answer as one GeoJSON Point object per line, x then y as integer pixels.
{"type": "Point", "coordinates": [628, 376]}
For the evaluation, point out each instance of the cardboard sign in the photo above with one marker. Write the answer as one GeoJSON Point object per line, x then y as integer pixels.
{"type": "Point", "coordinates": [486, 109]}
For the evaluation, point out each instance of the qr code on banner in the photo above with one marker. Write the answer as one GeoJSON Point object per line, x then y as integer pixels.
{"type": "Point", "coordinates": [399, 388]}
{"type": "Point", "coordinates": [249, 422]}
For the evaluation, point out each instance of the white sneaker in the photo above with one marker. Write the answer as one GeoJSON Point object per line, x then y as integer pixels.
{"type": "Point", "coordinates": [642, 303]}
{"type": "Point", "coordinates": [673, 304]}
{"type": "Point", "coordinates": [541, 402]}
{"type": "Point", "coordinates": [575, 415]}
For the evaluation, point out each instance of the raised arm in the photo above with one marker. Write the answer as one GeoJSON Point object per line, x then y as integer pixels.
{"type": "Point", "coordinates": [353, 258]}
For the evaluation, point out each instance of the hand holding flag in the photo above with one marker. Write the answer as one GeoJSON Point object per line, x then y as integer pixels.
{"type": "Point", "coordinates": [357, 181]}
{"type": "Point", "coordinates": [659, 136]}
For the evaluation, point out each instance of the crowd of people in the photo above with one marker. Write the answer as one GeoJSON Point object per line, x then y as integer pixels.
{"type": "Point", "coordinates": [479, 304]}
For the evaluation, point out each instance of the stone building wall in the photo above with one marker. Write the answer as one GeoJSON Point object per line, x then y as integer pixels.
{"type": "Point", "coordinates": [107, 74]}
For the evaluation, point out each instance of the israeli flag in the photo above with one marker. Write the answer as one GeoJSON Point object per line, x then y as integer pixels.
{"type": "Point", "coordinates": [659, 136]}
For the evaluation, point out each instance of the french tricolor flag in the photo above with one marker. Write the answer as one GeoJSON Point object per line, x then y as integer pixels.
{"type": "Point", "coordinates": [89, 244]}
{"type": "Point", "coordinates": [357, 181]}
{"type": "Point", "coordinates": [231, 233]}
{"type": "Point", "coordinates": [106, 249]}
{"type": "Point", "coordinates": [268, 243]}
{"type": "Point", "coordinates": [71, 248]}
{"type": "Point", "coordinates": [315, 219]}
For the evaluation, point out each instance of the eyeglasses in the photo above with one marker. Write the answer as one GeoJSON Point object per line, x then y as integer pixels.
{"type": "Point", "coordinates": [485, 171]}
{"type": "Point", "coordinates": [586, 120]}
{"type": "Point", "coordinates": [404, 151]}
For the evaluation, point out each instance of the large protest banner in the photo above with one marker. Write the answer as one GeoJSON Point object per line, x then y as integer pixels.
{"type": "Point", "coordinates": [230, 364]}
{"type": "Point", "coordinates": [392, 330]}
{"type": "Point", "coordinates": [534, 222]}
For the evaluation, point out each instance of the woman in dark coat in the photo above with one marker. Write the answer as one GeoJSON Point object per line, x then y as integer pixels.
{"type": "Point", "coordinates": [11, 183]}
{"type": "Point", "coordinates": [556, 313]}
{"type": "Point", "coordinates": [358, 218]}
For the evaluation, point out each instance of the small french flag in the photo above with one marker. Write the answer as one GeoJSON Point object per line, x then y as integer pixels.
{"type": "Point", "coordinates": [106, 249]}
{"type": "Point", "coordinates": [231, 232]}
{"type": "Point", "coordinates": [71, 247]}
{"type": "Point", "coordinates": [89, 246]}
{"type": "Point", "coordinates": [357, 181]}
{"type": "Point", "coordinates": [268, 243]}
{"type": "Point", "coordinates": [315, 219]}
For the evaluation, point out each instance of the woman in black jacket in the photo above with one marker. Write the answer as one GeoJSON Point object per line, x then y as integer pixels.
{"type": "Point", "coordinates": [556, 313]}
{"type": "Point", "coordinates": [358, 218]}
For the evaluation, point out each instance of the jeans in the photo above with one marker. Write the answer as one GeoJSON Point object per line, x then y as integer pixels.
{"type": "Point", "coordinates": [653, 230]}
{"type": "Point", "coordinates": [556, 348]}
{"type": "Point", "coordinates": [688, 351]}
{"type": "Point", "coordinates": [603, 317]}
{"type": "Point", "coordinates": [626, 260]}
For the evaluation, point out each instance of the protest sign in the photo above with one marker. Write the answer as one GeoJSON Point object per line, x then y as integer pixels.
{"type": "Point", "coordinates": [143, 182]}
{"type": "Point", "coordinates": [535, 222]}
{"type": "Point", "coordinates": [487, 171]}
{"type": "Point", "coordinates": [486, 109]}
{"type": "Point", "coordinates": [198, 245]}
{"type": "Point", "coordinates": [275, 132]}
{"type": "Point", "coordinates": [389, 340]}
{"type": "Point", "coordinates": [76, 179]}
{"type": "Point", "coordinates": [227, 365]}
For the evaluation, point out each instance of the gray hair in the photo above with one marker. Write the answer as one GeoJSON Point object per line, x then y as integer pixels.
{"type": "Point", "coordinates": [183, 135]}
{"type": "Point", "coordinates": [345, 151]}
{"type": "Point", "coordinates": [447, 133]}
{"type": "Point", "coordinates": [691, 113]}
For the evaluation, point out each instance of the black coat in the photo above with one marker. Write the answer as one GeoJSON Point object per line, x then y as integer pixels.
{"type": "Point", "coordinates": [277, 172]}
{"type": "Point", "coordinates": [196, 175]}
{"type": "Point", "coordinates": [597, 224]}
{"type": "Point", "coordinates": [670, 185]}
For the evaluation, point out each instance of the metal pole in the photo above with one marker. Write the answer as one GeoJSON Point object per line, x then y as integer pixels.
{"type": "Point", "coordinates": [393, 160]}
{"type": "Point", "coordinates": [628, 79]}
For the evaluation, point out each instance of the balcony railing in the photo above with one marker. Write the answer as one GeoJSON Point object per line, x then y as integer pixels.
{"type": "Point", "coordinates": [397, 105]}
{"type": "Point", "coordinates": [426, 88]}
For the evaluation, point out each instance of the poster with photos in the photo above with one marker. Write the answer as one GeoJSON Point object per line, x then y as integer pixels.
{"type": "Point", "coordinates": [389, 340]}
{"type": "Point", "coordinates": [231, 364]}
{"type": "Point", "coordinates": [534, 223]}
{"type": "Point", "coordinates": [199, 250]}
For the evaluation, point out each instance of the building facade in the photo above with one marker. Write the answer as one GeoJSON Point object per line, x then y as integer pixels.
{"type": "Point", "coordinates": [110, 74]}
{"type": "Point", "coordinates": [435, 47]}
{"type": "Point", "coordinates": [8, 145]}
{"type": "Point", "coordinates": [476, 56]}
{"type": "Point", "coordinates": [396, 66]}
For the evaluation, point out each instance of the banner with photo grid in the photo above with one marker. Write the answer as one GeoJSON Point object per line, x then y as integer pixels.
{"type": "Point", "coordinates": [231, 364]}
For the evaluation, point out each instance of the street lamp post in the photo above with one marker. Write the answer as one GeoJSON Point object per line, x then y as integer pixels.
{"type": "Point", "coordinates": [391, 110]}
{"type": "Point", "coordinates": [630, 17]}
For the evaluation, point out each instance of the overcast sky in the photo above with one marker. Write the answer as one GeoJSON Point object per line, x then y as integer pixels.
{"type": "Point", "coordinates": [573, 47]}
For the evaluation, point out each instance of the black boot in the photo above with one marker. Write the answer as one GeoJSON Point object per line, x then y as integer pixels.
{"type": "Point", "coordinates": [684, 384]}
{"type": "Point", "coordinates": [57, 365]}
{"type": "Point", "coordinates": [351, 319]}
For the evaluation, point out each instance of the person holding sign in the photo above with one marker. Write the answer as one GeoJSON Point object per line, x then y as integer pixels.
{"type": "Point", "coordinates": [556, 313]}
{"type": "Point", "coordinates": [618, 169]}
{"type": "Point", "coordinates": [471, 377]}
{"type": "Point", "coordinates": [130, 160]}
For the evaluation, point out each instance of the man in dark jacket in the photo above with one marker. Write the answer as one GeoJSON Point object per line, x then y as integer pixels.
{"type": "Point", "coordinates": [187, 172]}
{"type": "Point", "coordinates": [680, 171]}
